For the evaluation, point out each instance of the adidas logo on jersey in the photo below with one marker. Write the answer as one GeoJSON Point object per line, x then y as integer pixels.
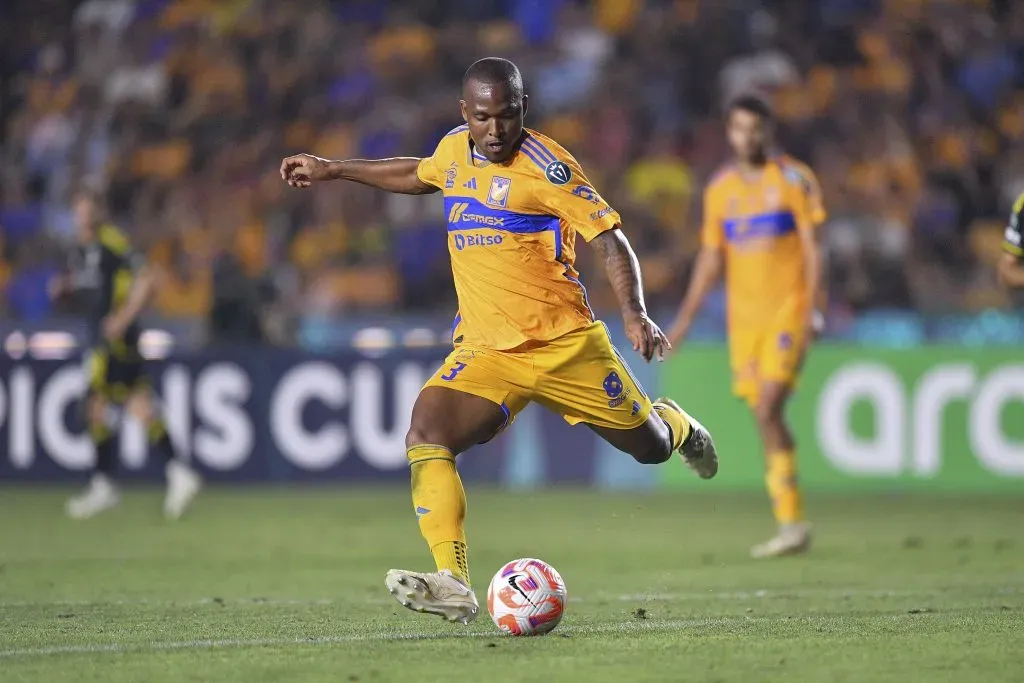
{"type": "Point", "coordinates": [471, 184]}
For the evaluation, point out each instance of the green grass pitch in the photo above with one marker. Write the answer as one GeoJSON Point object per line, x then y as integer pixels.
{"type": "Point", "coordinates": [287, 585]}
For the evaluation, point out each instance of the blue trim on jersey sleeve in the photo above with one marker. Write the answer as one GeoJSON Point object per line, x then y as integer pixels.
{"type": "Point", "coordinates": [775, 224]}
{"type": "Point", "coordinates": [543, 152]}
{"type": "Point", "coordinates": [467, 213]}
{"type": "Point", "coordinates": [458, 129]}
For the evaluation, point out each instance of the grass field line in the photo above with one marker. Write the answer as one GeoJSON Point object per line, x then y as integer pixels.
{"type": "Point", "coordinates": [155, 646]}
{"type": "Point", "coordinates": [694, 596]}
{"type": "Point", "coordinates": [625, 628]}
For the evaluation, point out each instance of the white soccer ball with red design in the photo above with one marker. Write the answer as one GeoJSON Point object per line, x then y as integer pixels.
{"type": "Point", "coordinates": [526, 598]}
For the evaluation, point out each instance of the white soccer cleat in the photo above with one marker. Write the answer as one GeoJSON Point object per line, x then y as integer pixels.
{"type": "Point", "coordinates": [698, 450]}
{"type": "Point", "coordinates": [792, 539]}
{"type": "Point", "coordinates": [183, 484]}
{"type": "Point", "coordinates": [437, 593]}
{"type": "Point", "coordinates": [99, 496]}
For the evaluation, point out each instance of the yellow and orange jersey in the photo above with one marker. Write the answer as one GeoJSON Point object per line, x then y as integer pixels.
{"type": "Point", "coordinates": [511, 234]}
{"type": "Point", "coordinates": [757, 223]}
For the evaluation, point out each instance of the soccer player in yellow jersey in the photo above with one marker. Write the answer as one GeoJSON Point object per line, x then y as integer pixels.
{"type": "Point", "coordinates": [515, 202]}
{"type": "Point", "coordinates": [1010, 270]}
{"type": "Point", "coordinates": [761, 215]}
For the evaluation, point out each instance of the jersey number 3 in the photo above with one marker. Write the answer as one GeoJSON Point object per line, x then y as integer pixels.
{"type": "Point", "coordinates": [456, 369]}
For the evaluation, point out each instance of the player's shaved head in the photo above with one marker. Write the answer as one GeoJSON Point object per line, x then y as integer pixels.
{"type": "Point", "coordinates": [494, 71]}
{"type": "Point", "coordinates": [494, 107]}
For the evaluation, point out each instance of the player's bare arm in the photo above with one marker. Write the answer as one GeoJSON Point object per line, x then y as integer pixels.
{"type": "Point", "coordinates": [810, 243]}
{"type": "Point", "coordinates": [143, 288]}
{"type": "Point", "coordinates": [394, 175]}
{"type": "Point", "coordinates": [706, 273]}
{"type": "Point", "coordinates": [624, 273]}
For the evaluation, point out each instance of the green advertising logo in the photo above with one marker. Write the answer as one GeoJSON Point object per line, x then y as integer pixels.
{"type": "Point", "coordinates": [936, 417]}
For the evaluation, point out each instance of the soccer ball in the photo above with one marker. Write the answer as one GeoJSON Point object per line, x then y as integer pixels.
{"type": "Point", "coordinates": [526, 598]}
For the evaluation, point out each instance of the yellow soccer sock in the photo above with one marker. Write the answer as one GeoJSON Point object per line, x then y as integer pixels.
{"type": "Point", "coordinates": [451, 555]}
{"type": "Point", "coordinates": [440, 504]}
{"type": "Point", "coordinates": [677, 420]}
{"type": "Point", "coordinates": [787, 503]}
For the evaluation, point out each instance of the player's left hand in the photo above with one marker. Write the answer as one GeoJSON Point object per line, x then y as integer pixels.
{"type": "Point", "coordinates": [815, 325]}
{"type": "Point", "coordinates": [647, 338]}
{"type": "Point", "coordinates": [114, 326]}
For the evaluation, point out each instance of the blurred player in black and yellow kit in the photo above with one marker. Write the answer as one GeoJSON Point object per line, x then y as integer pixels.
{"type": "Point", "coordinates": [112, 284]}
{"type": "Point", "coordinates": [515, 201]}
{"type": "Point", "coordinates": [1011, 271]}
{"type": "Point", "coordinates": [761, 218]}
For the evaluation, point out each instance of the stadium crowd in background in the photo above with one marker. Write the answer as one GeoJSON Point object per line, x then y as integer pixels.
{"type": "Point", "coordinates": [910, 111]}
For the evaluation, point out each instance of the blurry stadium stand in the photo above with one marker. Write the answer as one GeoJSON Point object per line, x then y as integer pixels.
{"type": "Point", "coordinates": [911, 113]}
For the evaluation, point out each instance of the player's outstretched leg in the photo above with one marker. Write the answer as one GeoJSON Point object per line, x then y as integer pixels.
{"type": "Point", "coordinates": [445, 422]}
{"type": "Point", "coordinates": [794, 535]}
{"type": "Point", "coordinates": [668, 428]}
{"type": "Point", "coordinates": [696, 447]}
{"type": "Point", "coordinates": [102, 493]}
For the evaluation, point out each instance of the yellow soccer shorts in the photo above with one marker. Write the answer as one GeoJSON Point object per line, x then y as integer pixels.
{"type": "Point", "coordinates": [580, 376]}
{"type": "Point", "coordinates": [769, 353]}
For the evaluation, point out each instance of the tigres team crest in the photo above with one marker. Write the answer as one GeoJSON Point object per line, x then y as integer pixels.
{"type": "Point", "coordinates": [497, 195]}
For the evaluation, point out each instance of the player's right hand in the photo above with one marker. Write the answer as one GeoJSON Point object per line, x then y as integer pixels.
{"type": "Point", "coordinates": [647, 338]}
{"type": "Point", "coordinates": [301, 170]}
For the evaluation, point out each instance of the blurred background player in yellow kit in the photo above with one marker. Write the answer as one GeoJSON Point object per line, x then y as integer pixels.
{"type": "Point", "coordinates": [515, 201]}
{"type": "Point", "coordinates": [761, 218]}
